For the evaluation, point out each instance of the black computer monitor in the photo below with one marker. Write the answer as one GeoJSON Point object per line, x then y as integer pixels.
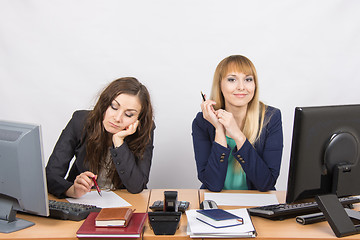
{"type": "Point", "coordinates": [22, 175]}
{"type": "Point", "coordinates": [325, 152]}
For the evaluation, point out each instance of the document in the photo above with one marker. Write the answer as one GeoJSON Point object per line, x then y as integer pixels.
{"type": "Point", "coordinates": [108, 199]}
{"type": "Point", "coordinates": [199, 229]}
{"type": "Point", "coordinates": [241, 199]}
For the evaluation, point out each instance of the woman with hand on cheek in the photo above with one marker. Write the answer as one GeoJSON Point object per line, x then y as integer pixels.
{"type": "Point", "coordinates": [237, 139]}
{"type": "Point", "coordinates": [113, 143]}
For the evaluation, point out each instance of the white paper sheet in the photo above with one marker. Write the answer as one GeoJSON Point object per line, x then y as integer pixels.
{"type": "Point", "coordinates": [241, 199]}
{"type": "Point", "coordinates": [108, 199]}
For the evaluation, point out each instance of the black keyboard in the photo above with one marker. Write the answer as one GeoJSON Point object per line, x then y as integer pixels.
{"type": "Point", "coordinates": [70, 211]}
{"type": "Point", "coordinates": [159, 206]}
{"type": "Point", "coordinates": [282, 211]}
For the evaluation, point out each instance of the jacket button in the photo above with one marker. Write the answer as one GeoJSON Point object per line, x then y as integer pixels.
{"type": "Point", "coordinates": [221, 160]}
{"type": "Point", "coordinates": [122, 172]}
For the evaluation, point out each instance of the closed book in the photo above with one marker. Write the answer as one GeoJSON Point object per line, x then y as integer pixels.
{"type": "Point", "coordinates": [217, 214]}
{"type": "Point", "coordinates": [133, 229]}
{"type": "Point", "coordinates": [113, 217]}
{"type": "Point", "coordinates": [220, 223]}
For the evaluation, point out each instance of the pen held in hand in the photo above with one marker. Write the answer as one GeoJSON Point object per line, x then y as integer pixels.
{"type": "Point", "coordinates": [97, 186]}
{"type": "Point", "coordinates": [203, 96]}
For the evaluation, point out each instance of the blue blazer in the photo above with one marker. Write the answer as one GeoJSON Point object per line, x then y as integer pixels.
{"type": "Point", "coordinates": [260, 162]}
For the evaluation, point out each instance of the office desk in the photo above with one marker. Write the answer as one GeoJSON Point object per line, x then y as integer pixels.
{"type": "Point", "coordinates": [289, 228]}
{"type": "Point", "coordinates": [190, 195]}
{"type": "Point", "coordinates": [48, 228]}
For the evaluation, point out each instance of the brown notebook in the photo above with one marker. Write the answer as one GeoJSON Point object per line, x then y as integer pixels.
{"type": "Point", "coordinates": [114, 217]}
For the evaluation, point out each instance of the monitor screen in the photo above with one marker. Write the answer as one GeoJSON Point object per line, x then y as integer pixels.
{"type": "Point", "coordinates": [22, 174]}
{"type": "Point", "coordinates": [325, 152]}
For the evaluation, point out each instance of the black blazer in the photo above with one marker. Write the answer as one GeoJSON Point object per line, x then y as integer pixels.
{"type": "Point", "coordinates": [134, 173]}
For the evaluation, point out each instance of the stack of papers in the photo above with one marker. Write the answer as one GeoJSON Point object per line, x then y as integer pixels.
{"type": "Point", "coordinates": [199, 229]}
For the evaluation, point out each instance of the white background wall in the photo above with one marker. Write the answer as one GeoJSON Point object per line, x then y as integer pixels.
{"type": "Point", "coordinates": [55, 56]}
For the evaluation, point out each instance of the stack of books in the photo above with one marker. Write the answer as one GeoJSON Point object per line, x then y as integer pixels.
{"type": "Point", "coordinates": [218, 223]}
{"type": "Point", "coordinates": [113, 222]}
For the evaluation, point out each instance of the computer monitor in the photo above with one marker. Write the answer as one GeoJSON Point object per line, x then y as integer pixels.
{"type": "Point", "coordinates": [325, 152]}
{"type": "Point", "coordinates": [22, 175]}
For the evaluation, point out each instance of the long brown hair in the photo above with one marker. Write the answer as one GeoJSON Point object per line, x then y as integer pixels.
{"type": "Point", "coordinates": [98, 140]}
{"type": "Point", "coordinates": [254, 119]}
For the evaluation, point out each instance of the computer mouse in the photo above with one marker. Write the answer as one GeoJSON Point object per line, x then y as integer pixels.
{"type": "Point", "coordinates": [208, 204]}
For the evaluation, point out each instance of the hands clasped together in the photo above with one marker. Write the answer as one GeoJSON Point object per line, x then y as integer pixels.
{"type": "Point", "coordinates": [224, 123]}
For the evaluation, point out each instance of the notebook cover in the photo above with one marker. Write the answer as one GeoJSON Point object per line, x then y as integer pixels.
{"type": "Point", "coordinates": [133, 230]}
{"type": "Point", "coordinates": [118, 216]}
{"type": "Point", "coordinates": [217, 214]}
{"type": "Point", "coordinates": [220, 224]}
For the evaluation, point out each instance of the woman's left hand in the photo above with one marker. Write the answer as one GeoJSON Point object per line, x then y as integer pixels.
{"type": "Point", "coordinates": [232, 129]}
{"type": "Point", "coordinates": [118, 138]}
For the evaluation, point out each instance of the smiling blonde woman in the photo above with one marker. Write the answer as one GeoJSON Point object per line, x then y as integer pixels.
{"type": "Point", "coordinates": [237, 139]}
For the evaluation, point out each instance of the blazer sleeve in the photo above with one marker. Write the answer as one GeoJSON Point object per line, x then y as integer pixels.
{"type": "Point", "coordinates": [211, 158]}
{"type": "Point", "coordinates": [133, 172]}
{"type": "Point", "coordinates": [63, 153]}
{"type": "Point", "coordinates": [262, 165]}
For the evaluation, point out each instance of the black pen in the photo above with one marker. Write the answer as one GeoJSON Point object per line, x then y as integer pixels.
{"type": "Point", "coordinates": [97, 186]}
{"type": "Point", "coordinates": [203, 96]}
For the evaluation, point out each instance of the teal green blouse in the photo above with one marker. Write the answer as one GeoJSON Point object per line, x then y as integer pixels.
{"type": "Point", "coordinates": [235, 180]}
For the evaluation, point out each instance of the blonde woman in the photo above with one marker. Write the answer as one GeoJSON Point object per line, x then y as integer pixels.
{"type": "Point", "coordinates": [237, 139]}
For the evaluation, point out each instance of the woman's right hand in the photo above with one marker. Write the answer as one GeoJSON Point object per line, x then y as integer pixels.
{"type": "Point", "coordinates": [82, 184]}
{"type": "Point", "coordinates": [209, 113]}
{"type": "Point", "coordinates": [118, 138]}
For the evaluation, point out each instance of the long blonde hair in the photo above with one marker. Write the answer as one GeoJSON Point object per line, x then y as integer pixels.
{"type": "Point", "coordinates": [254, 119]}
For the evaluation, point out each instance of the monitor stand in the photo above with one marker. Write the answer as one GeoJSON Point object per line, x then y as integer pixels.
{"type": "Point", "coordinates": [337, 216]}
{"type": "Point", "coordinates": [8, 222]}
